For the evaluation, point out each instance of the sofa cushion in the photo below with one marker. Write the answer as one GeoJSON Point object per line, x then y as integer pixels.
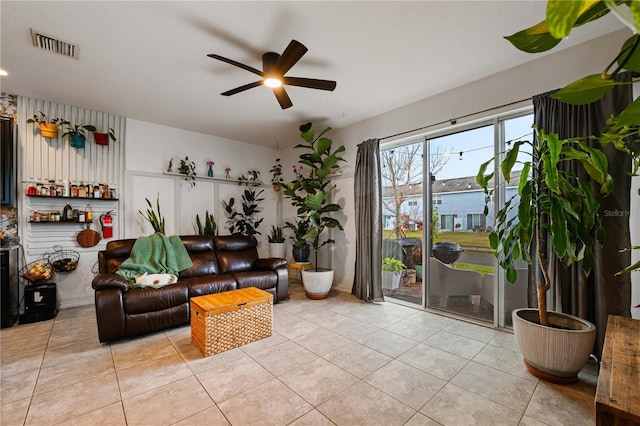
{"type": "Point", "coordinates": [117, 252]}
{"type": "Point", "coordinates": [142, 300]}
{"type": "Point", "coordinates": [236, 253]}
{"type": "Point", "coordinates": [260, 279]}
{"type": "Point", "coordinates": [202, 255]}
{"type": "Point", "coordinates": [200, 286]}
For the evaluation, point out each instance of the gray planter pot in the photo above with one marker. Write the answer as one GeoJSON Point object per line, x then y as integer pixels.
{"type": "Point", "coordinates": [301, 253]}
{"type": "Point", "coordinates": [555, 354]}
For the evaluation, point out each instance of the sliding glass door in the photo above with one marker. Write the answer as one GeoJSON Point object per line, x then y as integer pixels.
{"type": "Point", "coordinates": [437, 221]}
{"type": "Point", "coordinates": [461, 262]}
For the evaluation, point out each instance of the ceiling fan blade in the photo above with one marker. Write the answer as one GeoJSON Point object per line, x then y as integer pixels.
{"type": "Point", "coordinates": [292, 54]}
{"type": "Point", "coordinates": [283, 98]}
{"type": "Point", "coordinates": [237, 64]}
{"type": "Point", "coordinates": [242, 88]}
{"type": "Point", "coordinates": [311, 83]}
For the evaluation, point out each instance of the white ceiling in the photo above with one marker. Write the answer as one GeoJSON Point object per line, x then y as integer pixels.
{"type": "Point", "coordinates": [147, 60]}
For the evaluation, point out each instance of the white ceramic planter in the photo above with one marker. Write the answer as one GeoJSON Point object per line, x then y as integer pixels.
{"type": "Point", "coordinates": [277, 250]}
{"type": "Point", "coordinates": [390, 280]}
{"type": "Point", "coordinates": [550, 353]}
{"type": "Point", "coordinates": [317, 284]}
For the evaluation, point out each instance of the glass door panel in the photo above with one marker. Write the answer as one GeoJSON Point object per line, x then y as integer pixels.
{"type": "Point", "coordinates": [402, 210]}
{"type": "Point", "coordinates": [513, 295]}
{"type": "Point", "coordinates": [461, 265]}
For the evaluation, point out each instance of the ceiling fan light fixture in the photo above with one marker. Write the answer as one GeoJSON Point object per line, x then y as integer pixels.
{"type": "Point", "coordinates": [272, 82]}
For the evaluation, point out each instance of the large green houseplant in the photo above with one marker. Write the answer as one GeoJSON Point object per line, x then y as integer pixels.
{"type": "Point", "coordinates": [622, 131]}
{"type": "Point", "coordinates": [556, 200]}
{"type": "Point", "coordinates": [311, 195]}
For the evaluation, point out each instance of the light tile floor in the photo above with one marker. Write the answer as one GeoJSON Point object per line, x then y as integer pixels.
{"type": "Point", "coordinates": [338, 361]}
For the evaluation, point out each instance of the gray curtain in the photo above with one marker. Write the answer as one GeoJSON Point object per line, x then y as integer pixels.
{"type": "Point", "coordinates": [602, 293]}
{"type": "Point", "coordinates": [367, 282]}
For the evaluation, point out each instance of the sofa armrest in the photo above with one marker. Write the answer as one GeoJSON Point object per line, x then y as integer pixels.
{"type": "Point", "coordinates": [282, 288]}
{"type": "Point", "coordinates": [109, 280]}
{"type": "Point", "coordinates": [270, 264]}
{"type": "Point", "coordinates": [109, 314]}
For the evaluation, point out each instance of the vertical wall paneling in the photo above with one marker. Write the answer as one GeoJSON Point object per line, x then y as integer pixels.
{"type": "Point", "coordinates": [43, 159]}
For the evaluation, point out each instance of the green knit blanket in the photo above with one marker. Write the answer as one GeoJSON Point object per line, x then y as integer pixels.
{"type": "Point", "coordinates": [155, 254]}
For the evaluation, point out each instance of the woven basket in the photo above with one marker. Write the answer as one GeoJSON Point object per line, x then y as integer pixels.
{"type": "Point", "coordinates": [63, 260]}
{"type": "Point", "coordinates": [37, 271]}
{"type": "Point", "coordinates": [224, 321]}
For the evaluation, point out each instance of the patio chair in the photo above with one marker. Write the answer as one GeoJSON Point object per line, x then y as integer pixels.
{"type": "Point", "coordinates": [445, 282]}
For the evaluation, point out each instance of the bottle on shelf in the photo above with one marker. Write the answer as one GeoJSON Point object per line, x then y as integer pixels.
{"type": "Point", "coordinates": [88, 214]}
{"type": "Point", "coordinates": [66, 189]}
{"type": "Point", "coordinates": [67, 213]}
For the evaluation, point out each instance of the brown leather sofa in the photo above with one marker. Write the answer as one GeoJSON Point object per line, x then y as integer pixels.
{"type": "Point", "coordinates": [219, 264]}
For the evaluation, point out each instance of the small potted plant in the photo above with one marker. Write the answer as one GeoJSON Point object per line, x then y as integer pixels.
{"type": "Point", "coordinates": [301, 248]}
{"type": "Point", "coordinates": [48, 128]}
{"type": "Point", "coordinates": [276, 172]}
{"type": "Point", "coordinates": [209, 228]}
{"type": "Point", "coordinates": [391, 271]}
{"type": "Point", "coordinates": [188, 168]}
{"type": "Point", "coordinates": [103, 138]}
{"type": "Point", "coordinates": [276, 242]}
{"type": "Point", "coordinates": [77, 133]}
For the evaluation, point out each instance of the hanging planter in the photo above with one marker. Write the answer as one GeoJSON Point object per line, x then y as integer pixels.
{"type": "Point", "coordinates": [77, 141]}
{"type": "Point", "coordinates": [77, 133]}
{"type": "Point", "coordinates": [48, 130]}
{"type": "Point", "coordinates": [103, 138]}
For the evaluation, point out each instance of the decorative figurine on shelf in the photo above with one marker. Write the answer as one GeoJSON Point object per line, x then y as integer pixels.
{"type": "Point", "coordinates": [210, 171]}
{"type": "Point", "coordinates": [170, 168]}
{"type": "Point", "coordinates": [226, 172]}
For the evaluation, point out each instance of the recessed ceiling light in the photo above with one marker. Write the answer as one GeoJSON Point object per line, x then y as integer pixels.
{"type": "Point", "coordinates": [3, 73]}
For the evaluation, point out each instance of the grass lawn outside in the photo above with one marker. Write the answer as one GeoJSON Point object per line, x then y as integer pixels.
{"type": "Point", "coordinates": [465, 239]}
{"type": "Point", "coordinates": [483, 269]}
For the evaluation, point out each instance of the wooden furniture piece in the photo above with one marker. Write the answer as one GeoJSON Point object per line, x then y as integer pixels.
{"type": "Point", "coordinates": [226, 320]}
{"type": "Point", "coordinates": [299, 266]}
{"type": "Point", "coordinates": [618, 392]}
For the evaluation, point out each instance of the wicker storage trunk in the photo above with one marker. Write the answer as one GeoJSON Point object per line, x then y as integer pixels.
{"type": "Point", "coordinates": [226, 320]}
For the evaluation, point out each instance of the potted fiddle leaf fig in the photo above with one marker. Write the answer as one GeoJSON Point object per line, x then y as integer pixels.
{"type": "Point", "coordinates": [554, 345]}
{"type": "Point", "coordinates": [103, 138]}
{"type": "Point", "coordinates": [77, 133]}
{"type": "Point", "coordinates": [48, 127]}
{"type": "Point", "coordinates": [311, 195]}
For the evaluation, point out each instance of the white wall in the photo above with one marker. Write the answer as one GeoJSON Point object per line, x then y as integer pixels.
{"type": "Point", "coordinates": [149, 147]}
{"type": "Point", "coordinates": [538, 76]}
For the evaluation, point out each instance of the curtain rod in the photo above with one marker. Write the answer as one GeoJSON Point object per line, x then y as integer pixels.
{"type": "Point", "coordinates": [453, 120]}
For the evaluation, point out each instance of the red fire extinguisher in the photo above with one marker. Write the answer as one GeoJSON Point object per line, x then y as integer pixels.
{"type": "Point", "coordinates": [107, 225]}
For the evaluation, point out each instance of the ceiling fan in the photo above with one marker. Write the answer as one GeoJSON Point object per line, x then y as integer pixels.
{"type": "Point", "coordinates": [274, 68]}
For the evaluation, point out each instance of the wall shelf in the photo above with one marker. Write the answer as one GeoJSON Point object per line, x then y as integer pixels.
{"type": "Point", "coordinates": [70, 198]}
{"type": "Point", "coordinates": [60, 223]}
{"type": "Point", "coordinates": [218, 179]}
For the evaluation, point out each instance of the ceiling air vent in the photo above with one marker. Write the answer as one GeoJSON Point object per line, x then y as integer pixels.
{"type": "Point", "coordinates": [50, 44]}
